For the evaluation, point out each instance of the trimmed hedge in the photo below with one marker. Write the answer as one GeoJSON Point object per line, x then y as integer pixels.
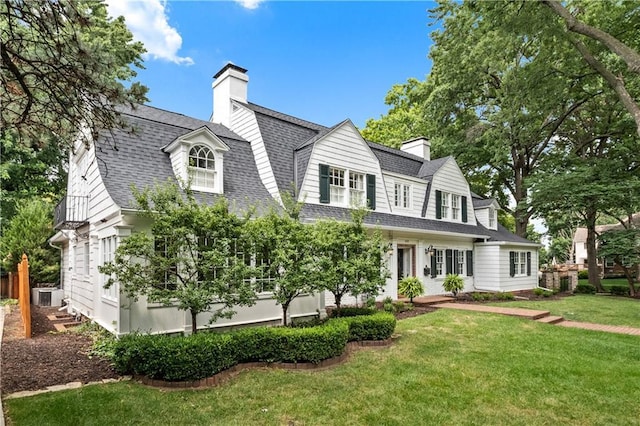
{"type": "Point", "coordinates": [350, 311]}
{"type": "Point", "coordinates": [619, 290]}
{"type": "Point", "coordinates": [204, 354]}
{"type": "Point", "coordinates": [585, 289]}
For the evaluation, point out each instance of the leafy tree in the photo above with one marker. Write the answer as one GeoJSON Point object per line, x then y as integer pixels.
{"type": "Point", "coordinates": [623, 246]}
{"type": "Point", "coordinates": [29, 172]}
{"type": "Point", "coordinates": [349, 259]}
{"type": "Point", "coordinates": [626, 52]}
{"type": "Point", "coordinates": [28, 232]}
{"type": "Point", "coordinates": [194, 257]}
{"type": "Point", "coordinates": [283, 243]}
{"type": "Point", "coordinates": [63, 68]}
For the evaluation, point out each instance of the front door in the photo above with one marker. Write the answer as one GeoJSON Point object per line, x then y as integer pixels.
{"type": "Point", "coordinates": [406, 261]}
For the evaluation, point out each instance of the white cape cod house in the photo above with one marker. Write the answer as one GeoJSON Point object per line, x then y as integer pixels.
{"type": "Point", "coordinates": [252, 155]}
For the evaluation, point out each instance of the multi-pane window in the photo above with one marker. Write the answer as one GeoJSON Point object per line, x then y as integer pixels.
{"type": "Point", "coordinates": [336, 185]}
{"type": "Point", "coordinates": [455, 207]}
{"type": "Point", "coordinates": [356, 189]}
{"type": "Point", "coordinates": [166, 277]}
{"type": "Point", "coordinates": [202, 167]}
{"type": "Point", "coordinates": [86, 258]}
{"type": "Point", "coordinates": [108, 249]}
{"type": "Point", "coordinates": [444, 204]}
{"type": "Point", "coordinates": [439, 254]}
{"type": "Point", "coordinates": [492, 217]}
{"type": "Point", "coordinates": [521, 263]}
{"type": "Point", "coordinates": [459, 261]}
{"type": "Point", "coordinates": [609, 263]}
{"type": "Point", "coordinates": [264, 279]}
{"type": "Point", "coordinates": [402, 195]}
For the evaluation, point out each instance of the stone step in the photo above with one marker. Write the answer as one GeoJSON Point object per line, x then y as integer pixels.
{"type": "Point", "coordinates": [550, 319]}
{"type": "Point", "coordinates": [60, 317]}
{"type": "Point", "coordinates": [66, 325]}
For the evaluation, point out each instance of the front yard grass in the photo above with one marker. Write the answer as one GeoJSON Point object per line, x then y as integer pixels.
{"type": "Point", "coordinates": [607, 283]}
{"type": "Point", "coordinates": [448, 367]}
{"type": "Point", "coordinates": [598, 309]}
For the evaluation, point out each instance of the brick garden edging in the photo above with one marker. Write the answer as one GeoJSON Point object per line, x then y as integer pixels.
{"type": "Point", "coordinates": [226, 375]}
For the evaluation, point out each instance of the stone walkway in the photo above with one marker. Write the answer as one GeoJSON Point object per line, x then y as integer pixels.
{"type": "Point", "coordinates": [539, 316]}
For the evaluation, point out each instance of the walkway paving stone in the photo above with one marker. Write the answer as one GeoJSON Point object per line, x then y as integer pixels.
{"type": "Point", "coordinates": [514, 312]}
{"type": "Point", "coordinates": [601, 327]}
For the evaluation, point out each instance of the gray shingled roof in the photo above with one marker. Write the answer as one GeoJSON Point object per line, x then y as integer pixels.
{"type": "Point", "coordinates": [429, 168]}
{"type": "Point", "coordinates": [315, 211]}
{"type": "Point", "coordinates": [138, 158]}
{"type": "Point", "coordinates": [479, 203]}
{"type": "Point", "coordinates": [396, 161]}
{"type": "Point", "coordinates": [502, 234]}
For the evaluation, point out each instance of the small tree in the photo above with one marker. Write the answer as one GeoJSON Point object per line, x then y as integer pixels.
{"type": "Point", "coordinates": [453, 283]}
{"type": "Point", "coordinates": [27, 233]}
{"type": "Point", "coordinates": [348, 259]}
{"type": "Point", "coordinates": [194, 256]}
{"type": "Point", "coordinates": [623, 246]}
{"type": "Point", "coordinates": [283, 244]}
{"type": "Point", "coordinates": [410, 287]}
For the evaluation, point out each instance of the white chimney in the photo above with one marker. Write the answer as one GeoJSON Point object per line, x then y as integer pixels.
{"type": "Point", "coordinates": [229, 83]}
{"type": "Point", "coordinates": [418, 146]}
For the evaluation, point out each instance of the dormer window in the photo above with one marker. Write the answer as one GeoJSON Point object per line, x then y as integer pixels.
{"type": "Point", "coordinates": [492, 218]}
{"type": "Point", "coordinates": [197, 159]}
{"type": "Point", "coordinates": [333, 187]}
{"type": "Point", "coordinates": [202, 167]}
{"type": "Point", "coordinates": [451, 207]}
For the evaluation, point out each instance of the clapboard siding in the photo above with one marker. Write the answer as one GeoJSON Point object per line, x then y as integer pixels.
{"type": "Point", "coordinates": [487, 267]}
{"type": "Point", "coordinates": [482, 216]}
{"type": "Point", "coordinates": [418, 191]}
{"type": "Point", "coordinates": [343, 148]}
{"type": "Point", "coordinates": [244, 123]}
{"type": "Point", "coordinates": [450, 179]}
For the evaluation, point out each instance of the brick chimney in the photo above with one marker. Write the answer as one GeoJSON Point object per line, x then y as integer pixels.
{"type": "Point", "coordinates": [228, 83]}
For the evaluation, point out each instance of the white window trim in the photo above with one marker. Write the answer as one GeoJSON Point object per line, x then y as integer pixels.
{"type": "Point", "coordinates": [108, 246]}
{"type": "Point", "coordinates": [86, 258]}
{"type": "Point", "coordinates": [346, 200]}
{"type": "Point", "coordinates": [440, 262]}
{"type": "Point", "coordinates": [403, 199]}
{"type": "Point", "coordinates": [492, 217]}
{"type": "Point", "coordinates": [447, 206]}
{"type": "Point", "coordinates": [520, 264]}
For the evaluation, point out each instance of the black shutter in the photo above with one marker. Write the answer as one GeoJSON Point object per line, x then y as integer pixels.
{"type": "Point", "coordinates": [464, 209]}
{"type": "Point", "coordinates": [438, 204]}
{"type": "Point", "coordinates": [324, 184]}
{"type": "Point", "coordinates": [456, 265]}
{"type": "Point", "coordinates": [469, 263]}
{"type": "Point", "coordinates": [449, 255]}
{"type": "Point", "coordinates": [529, 263]}
{"type": "Point", "coordinates": [371, 191]}
{"type": "Point", "coordinates": [512, 263]}
{"type": "Point", "coordinates": [434, 272]}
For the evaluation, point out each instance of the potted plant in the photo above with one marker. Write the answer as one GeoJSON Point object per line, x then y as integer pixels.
{"type": "Point", "coordinates": [453, 283]}
{"type": "Point", "coordinates": [410, 287]}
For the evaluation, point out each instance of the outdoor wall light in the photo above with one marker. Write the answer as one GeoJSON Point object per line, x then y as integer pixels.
{"type": "Point", "coordinates": [429, 250]}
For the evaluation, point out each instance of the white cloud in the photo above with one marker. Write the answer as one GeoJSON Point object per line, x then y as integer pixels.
{"type": "Point", "coordinates": [147, 20]}
{"type": "Point", "coordinates": [249, 4]}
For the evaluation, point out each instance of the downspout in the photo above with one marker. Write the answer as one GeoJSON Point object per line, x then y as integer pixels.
{"type": "Point", "coordinates": [66, 301]}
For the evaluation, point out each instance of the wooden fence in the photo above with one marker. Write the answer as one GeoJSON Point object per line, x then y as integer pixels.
{"type": "Point", "coordinates": [9, 286]}
{"type": "Point", "coordinates": [25, 295]}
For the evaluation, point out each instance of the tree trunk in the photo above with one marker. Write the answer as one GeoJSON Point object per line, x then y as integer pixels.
{"type": "Point", "coordinates": [338, 300]}
{"type": "Point", "coordinates": [630, 278]}
{"type": "Point", "coordinates": [285, 308]}
{"type": "Point", "coordinates": [592, 253]}
{"type": "Point", "coordinates": [194, 325]}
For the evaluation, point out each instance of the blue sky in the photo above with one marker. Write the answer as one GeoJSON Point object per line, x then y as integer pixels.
{"type": "Point", "coordinates": [321, 61]}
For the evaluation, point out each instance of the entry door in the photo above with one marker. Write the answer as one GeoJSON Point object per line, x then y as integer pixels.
{"type": "Point", "coordinates": [406, 261]}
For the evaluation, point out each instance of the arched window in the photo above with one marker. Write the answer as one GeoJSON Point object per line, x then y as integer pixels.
{"type": "Point", "coordinates": [202, 167]}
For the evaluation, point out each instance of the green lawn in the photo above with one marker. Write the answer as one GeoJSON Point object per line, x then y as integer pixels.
{"type": "Point", "coordinates": [588, 308]}
{"type": "Point", "coordinates": [448, 367]}
{"type": "Point", "coordinates": [609, 282]}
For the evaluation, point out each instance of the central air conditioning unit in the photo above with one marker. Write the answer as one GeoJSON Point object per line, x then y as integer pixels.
{"type": "Point", "coordinates": [47, 296]}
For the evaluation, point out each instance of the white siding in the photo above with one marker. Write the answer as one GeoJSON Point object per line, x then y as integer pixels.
{"type": "Point", "coordinates": [343, 148]}
{"type": "Point", "coordinates": [244, 123]}
{"type": "Point", "coordinates": [482, 216]}
{"type": "Point", "coordinates": [449, 179]}
{"type": "Point", "coordinates": [492, 268]}
{"type": "Point", "coordinates": [418, 192]}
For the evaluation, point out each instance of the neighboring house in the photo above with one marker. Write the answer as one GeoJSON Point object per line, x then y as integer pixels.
{"type": "Point", "coordinates": [607, 266]}
{"type": "Point", "coordinates": [252, 155]}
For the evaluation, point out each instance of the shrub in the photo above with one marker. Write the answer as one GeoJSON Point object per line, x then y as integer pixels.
{"type": "Point", "coordinates": [453, 283]}
{"type": "Point", "coordinates": [583, 275]}
{"type": "Point", "coordinates": [204, 354]}
{"type": "Point", "coordinates": [400, 306]}
{"type": "Point", "coordinates": [543, 292]}
{"type": "Point", "coordinates": [505, 296]}
{"type": "Point", "coordinates": [371, 302]}
{"type": "Point", "coordinates": [379, 326]}
{"type": "Point", "coordinates": [388, 307]}
{"type": "Point", "coordinates": [481, 297]}
{"type": "Point", "coordinates": [619, 290]}
{"type": "Point", "coordinates": [410, 287]}
{"type": "Point", "coordinates": [350, 311]}
{"type": "Point", "coordinates": [585, 289]}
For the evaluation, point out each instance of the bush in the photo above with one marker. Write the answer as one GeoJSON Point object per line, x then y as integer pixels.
{"type": "Point", "coordinates": [400, 306]}
{"type": "Point", "coordinates": [388, 307]}
{"type": "Point", "coordinates": [350, 311]}
{"type": "Point", "coordinates": [543, 292]}
{"type": "Point", "coordinates": [583, 275]}
{"type": "Point", "coordinates": [619, 290]}
{"type": "Point", "coordinates": [379, 326]}
{"type": "Point", "coordinates": [453, 283]}
{"type": "Point", "coordinates": [481, 297]}
{"type": "Point", "coordinates": [410, 287]}
{"type": "Point", "coordinates": [585, 289]}
{"type": "Point", "coordinates": [204, 354]}
{"type": "Point", "coordinates": [505, 296]}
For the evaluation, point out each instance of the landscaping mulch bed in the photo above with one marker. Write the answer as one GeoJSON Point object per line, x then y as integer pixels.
{"type": "Point", "coordinates": [48, 358]}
